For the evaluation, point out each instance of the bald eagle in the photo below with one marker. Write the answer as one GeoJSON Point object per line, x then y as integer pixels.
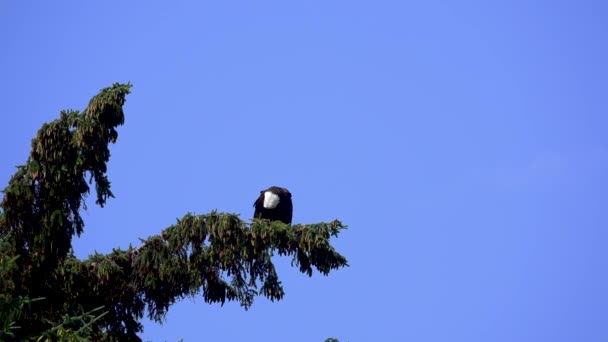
{"type": "Point", "coordinates": [274, 204]}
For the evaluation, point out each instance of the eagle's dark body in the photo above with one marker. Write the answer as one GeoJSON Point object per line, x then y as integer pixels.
{"type": "Point", "coordinates": [274, 204]}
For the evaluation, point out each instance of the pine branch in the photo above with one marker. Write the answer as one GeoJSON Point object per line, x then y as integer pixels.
{"type": "Point", "coordinates": [215, 255]}
{"type": "Point", "coordinates": [228, 258]}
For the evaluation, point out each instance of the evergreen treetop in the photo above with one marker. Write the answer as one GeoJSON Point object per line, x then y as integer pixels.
{"type": "Point", "coordinates": [217, 255]}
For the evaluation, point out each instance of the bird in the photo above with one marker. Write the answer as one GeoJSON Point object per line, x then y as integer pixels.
{"type": "Point", "coordinates": [274, 204]}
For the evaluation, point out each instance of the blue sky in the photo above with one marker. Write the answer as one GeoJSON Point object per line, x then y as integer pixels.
{"type": "Point", "coordinates": [464, 143]}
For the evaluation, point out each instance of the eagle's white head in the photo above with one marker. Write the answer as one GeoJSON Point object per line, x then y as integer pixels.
{"type": "Point", "coordinates": [271, 200]}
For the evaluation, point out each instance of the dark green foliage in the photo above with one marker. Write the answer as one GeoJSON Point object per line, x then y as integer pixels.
{"type": "Point", "coordinates": [12, 308]}
{"type": "Point", "coordinates": [74, 328]}
{"type": "Point", "coordinates": [42, 201]}
{"type": "Point", "coordinates": [41, 204]}
{"type": "Point", "coordinates": [217, 255]}
{"type": "Point", "coordinates": [234, 264]}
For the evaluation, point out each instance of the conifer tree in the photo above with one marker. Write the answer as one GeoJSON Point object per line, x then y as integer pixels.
{"type": "Point", "coordinates": [216, 255]}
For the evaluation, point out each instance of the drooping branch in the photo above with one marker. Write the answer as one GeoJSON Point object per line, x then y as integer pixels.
{"type": "Point", "coordinates": [217, 256]}
{"type": "Point", "coordinates": [228, 258]}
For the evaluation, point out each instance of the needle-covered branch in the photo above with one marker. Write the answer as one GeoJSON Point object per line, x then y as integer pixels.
{"type": "Point", "coordinates": [228, 258]}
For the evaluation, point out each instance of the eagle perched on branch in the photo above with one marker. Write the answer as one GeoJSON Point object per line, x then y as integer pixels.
{"type": "Point", "coordinates": [274, 204]}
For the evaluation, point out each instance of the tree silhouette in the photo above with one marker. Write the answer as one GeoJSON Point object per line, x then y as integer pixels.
{"type": "Point", "coordinates": [217, 255]}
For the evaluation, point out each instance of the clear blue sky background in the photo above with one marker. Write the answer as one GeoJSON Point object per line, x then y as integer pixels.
{"type": "Point", "coordinates": [463, 142]}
